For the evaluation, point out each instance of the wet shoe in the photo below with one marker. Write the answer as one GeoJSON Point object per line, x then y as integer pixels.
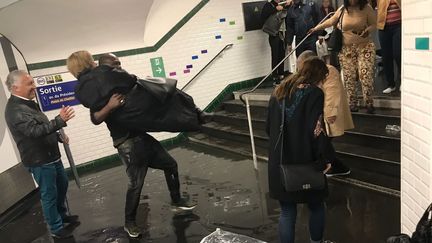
{"type": "Point", "coordinates": [183, 205]}
{"type": "Point", "coordinates": [61, 234]}
{"type": "Point", "coordinates": [389, 90]}
{"type": "Point", "coordinates": [205, 117]}
{"type": "Point", "coordinates": [132, 229]}
{"type": "Point", "coordinates": [338, 170]}
{"type": "Point", "coordinates": [71, 219]}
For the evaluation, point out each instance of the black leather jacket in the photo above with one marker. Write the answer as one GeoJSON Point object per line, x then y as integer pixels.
{"type": "Point", "coordinates": [34, 134]}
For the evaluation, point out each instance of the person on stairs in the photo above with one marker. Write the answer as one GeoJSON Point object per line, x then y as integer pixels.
{"type": "Point", "coordinates": [276, 37]}
{"type": "Point", "coordinates": [138, 151]}
{"type": "Point", "coordinates": [357, 57]}
{"type": "Point", "coordinates": [389, 25]}
{"type": "Point", "coordinates": [337, 116]}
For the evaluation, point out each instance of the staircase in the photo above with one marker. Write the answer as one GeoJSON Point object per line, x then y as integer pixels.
{"type": "Point", "coordinates": [372, 153]}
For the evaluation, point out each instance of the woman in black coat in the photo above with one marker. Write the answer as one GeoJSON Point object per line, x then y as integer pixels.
{"type": "Point", "coordinates": [305, 141]}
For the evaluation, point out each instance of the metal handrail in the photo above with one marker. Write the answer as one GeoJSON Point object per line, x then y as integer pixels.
{"type": "Point", "coordinates": [246, 102]}
{"type": "Point", "coordinates": [208, 64]}
{"type": "Point", "coordinates": [281, 62]}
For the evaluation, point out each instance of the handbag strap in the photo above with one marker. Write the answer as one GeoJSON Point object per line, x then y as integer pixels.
{"type": "Point", "coordinates": [340, 19]}
{"type": "Point", "coordinates": [281, 128]}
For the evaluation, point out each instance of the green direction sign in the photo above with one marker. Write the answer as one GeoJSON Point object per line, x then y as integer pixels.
{"type": "Point", "coordinates": [158, 68]}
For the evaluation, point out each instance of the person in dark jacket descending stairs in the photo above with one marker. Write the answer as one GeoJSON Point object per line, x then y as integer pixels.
{"type": "Point", "coordinates": [301, 17]}
{"type": "Point", "coordinates": [37, 141]}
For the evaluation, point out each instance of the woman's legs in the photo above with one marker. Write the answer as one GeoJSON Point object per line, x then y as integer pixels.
{"type": "Point", "coordinates": [316, 221]}
{"type": "Point", "coordinates": [348, 60]}
{"type": "Point", "coordinates": [287, 222]}
{"type": "Point", "coordinates": [366, 64]}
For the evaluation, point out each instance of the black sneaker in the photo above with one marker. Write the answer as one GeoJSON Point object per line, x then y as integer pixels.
{"type": "Point", "coordinates": [61, 234]}
{"type": "Point", "coordinates": [183, 205]}
{"type": "Point", "coordinates": [71, 219]}
{"type": "Point", "coordinates": [338, 170]}
{"type": "Point", "coordinates": [132, 229]}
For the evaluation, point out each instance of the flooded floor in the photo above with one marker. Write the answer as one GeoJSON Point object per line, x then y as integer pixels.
{"type": "Point", "coordinates": [230, 196]}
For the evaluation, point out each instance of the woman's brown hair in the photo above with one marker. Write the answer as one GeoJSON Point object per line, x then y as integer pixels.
{"type": "Point", "coordinates": [79, 61]}
{"type": "Point", "coordinates": [313, 71]}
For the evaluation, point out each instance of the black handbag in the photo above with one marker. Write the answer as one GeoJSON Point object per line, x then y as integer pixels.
{"type": "Point", "coordinates": [273, 23]}
{"type": "Point", "coordinates": [336, 39]}
{"type": "Point", "coordinates": [423, 232]}
{"type": "Point", "coordinates": [300, 176]}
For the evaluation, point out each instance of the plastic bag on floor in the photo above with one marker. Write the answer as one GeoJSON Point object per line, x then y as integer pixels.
{"type": "Point", "coordinates": [221, 236]}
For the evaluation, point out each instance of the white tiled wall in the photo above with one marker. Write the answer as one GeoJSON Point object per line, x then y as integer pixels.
{"type": "Point", "coordinates": [249, 58]}
{"type": "Point", "coordinates": [416, 113]}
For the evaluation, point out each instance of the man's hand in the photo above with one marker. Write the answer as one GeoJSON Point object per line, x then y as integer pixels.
{"type": "Point", "coordinates": [64, 139]}
{"type": "Point", "coordinates": [115, 101]}
{"type": "Point", "coordinates": [67, 113]}
{"type": "Point", "coordinates": [279, 8]}
{"type": "Point", "coordinates": [288, 3]}
{"type": "Point", "coordinates": [331, 119]}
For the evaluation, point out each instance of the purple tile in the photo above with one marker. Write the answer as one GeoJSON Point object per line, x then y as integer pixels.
{"type": "Point", "coordinates": [189, 66]}
{"type": "Point", "coordinates": [203, 51]}
{"type": "Point", "coordinates": [186, 71]}
{"type": "Point", "coordinates": [172, 73]}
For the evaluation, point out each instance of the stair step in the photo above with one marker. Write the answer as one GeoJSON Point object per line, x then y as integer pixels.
{"type": "Point", "coordinates": [375, 175]}
{"type": "Point", "coordinates": [380, 101]}
{"type": "Point", "coordinates": [373, 135]}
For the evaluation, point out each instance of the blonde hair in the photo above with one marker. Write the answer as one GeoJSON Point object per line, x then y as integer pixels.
{"type": "Point", "coordinates": [79, 61]}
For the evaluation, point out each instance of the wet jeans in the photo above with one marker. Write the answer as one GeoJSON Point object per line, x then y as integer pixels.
{"type": "Point", "coordinates": [288, 217]}
{"type": "Point", "coordinates": [53, 184]}
{"type": "Point", "coordinates": [138, 154]}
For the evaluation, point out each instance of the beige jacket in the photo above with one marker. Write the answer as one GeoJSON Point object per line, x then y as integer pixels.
{"type": "Point", "coordinates": [336, 104]}
{"type": "Point", "coordinates": [382, 6]}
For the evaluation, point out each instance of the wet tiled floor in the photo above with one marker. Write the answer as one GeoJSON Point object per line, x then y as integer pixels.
{"type": "Point", "coordinates": [230, 194]}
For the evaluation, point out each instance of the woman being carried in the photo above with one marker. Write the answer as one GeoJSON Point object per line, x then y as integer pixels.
{"type": "Point", "coordinates": [142, 110]}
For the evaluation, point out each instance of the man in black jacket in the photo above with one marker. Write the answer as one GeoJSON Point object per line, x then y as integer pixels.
{"type": "Point", "coordinates": [138, 152]}
{"type": "Point", "coordinates": [37, 141]}
{"type": "Point", "coordinates": [302, 16]}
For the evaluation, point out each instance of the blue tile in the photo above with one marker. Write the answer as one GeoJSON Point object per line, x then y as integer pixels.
{"type": "Point", "coordinates": [218, 37]}
{"type": "Point", "coordinates": [194, 57]}
{"type": "Point", "coordinates": [222, 20]}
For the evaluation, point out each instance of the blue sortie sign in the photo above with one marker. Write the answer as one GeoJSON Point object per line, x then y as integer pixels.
{"type": "Point", "coordinates": [52, 97]}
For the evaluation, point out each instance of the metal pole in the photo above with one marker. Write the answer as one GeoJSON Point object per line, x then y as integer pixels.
{"type": "Point", "coordinates": [254, 156]}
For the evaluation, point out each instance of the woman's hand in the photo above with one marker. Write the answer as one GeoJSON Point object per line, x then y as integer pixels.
{"type": "Point", "coordinates": [311, 31]}
{"type": "Point", "coordinates": [328, 167]}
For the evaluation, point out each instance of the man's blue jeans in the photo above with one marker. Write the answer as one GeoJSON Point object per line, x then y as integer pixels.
{"type": "Point", "coordinates": [53, 184]}
{"type": "Point", "coordinates": [288, 217]}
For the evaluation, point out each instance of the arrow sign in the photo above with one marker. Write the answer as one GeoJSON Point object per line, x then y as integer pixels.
{"type": "Point", "coordinates": [158, 67]}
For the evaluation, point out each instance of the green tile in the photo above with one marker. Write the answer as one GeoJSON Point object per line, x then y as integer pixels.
{"type": "Point", "coordinates": [232, 22]}
{"type": "Point", "coordinates": [239, 37]}
{"type": "Point", "coordinates": [422, 43]}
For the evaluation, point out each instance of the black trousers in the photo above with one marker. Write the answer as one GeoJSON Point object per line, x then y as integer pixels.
{"type": "Point", "coordinates": [138, 154]}
{"type": "Point", "coordinates": [277, 54]}
{"type": "Point", "coordinates": [390, 39]}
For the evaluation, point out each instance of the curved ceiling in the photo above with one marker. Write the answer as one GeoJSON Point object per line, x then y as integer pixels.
{"type": "Point", "coordinates": [46, 30]}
